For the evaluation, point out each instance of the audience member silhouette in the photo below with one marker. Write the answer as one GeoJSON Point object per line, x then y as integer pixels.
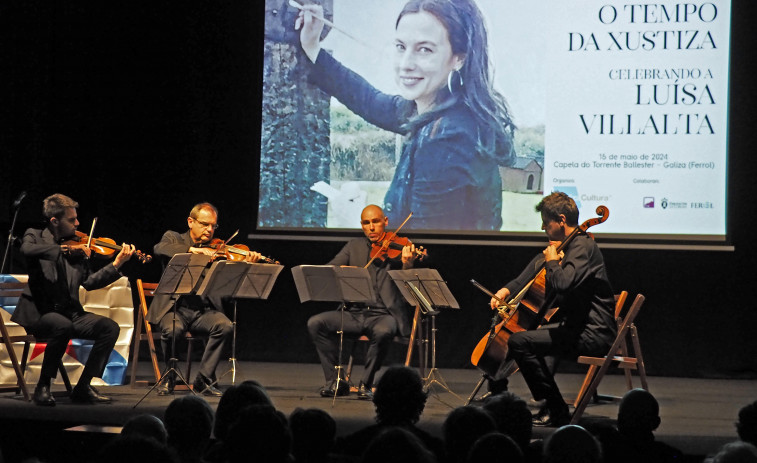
{"type": "Point", "coordinates": [514, 419]}
{"type": "Point", "coordinates": [135, 448]}
{"type": "Point", "coordinates": [638, 418]}
{"type": "Point", "coordinates": [747, 424]}
{"type": "Point", "coordinates": [462, 428]}
{"type": "Point", "coordinates": [495, 447]}
{"type": "Point", "coordinates": [313, 434]}
{"type": "Point", "coordinates": [259, 434]}
{"type": "Point", "coordinates": [147, 426]}
{"type": "Point", "coordinates": [233, 400]}
{"type": "Point", "coordinates": [572, 444]}
{"type": "Point", "coordinates": [397, 444]}
{"type": "Point", "coordinates": [399, 400]}
{"type": "Point", "coordinates": [189, 422]}
{"type": "Point", "coordinates": [736, 452]}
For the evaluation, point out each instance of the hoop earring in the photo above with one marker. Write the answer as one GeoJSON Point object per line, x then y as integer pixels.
{"type": "Point", "coordinates": [449, 79]}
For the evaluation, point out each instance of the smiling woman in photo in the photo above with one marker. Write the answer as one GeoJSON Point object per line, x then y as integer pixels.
{"type": "Point", "coordinates": [457, 129]}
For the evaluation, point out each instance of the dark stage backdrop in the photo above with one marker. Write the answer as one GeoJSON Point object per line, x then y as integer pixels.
{"type": "Point", "coordinates": [139, 110]}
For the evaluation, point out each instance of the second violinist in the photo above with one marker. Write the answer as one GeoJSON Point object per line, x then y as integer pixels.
{"type": "Point", "coordinates": [381, 322]}
{"type": "Point", "coordinates": [204, 317]}
{"type": "Point", "coordinates": [586, 317]}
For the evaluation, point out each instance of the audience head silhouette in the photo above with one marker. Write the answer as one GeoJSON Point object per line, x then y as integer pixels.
{"type": "Point", "coordinates": [313, 432]}
{"type": "Point", "coordinates": [495, 446]}
{"type": "Point", "coordinates": [572, 444]}
{"type": "Point", "coordinates": [397, 445]}
{"type": "Point", "coordinates": [462, 428]}
{"type": "Point", "coordinates": [747, 424]}
{"type": "Point", "coordinates": [512, 416]}
{"type": "Point", "coordinates": [189, 422]}
{"type": "Point", "coordinates": [639, 413]}
{"type": "Point", "coordinates": [736, 452]}
{"type": "Point", "coordinates": [234, 399]}
{"type": "Point", "coordinates": [399, 397]}
{"type": "Point", "coordinates": [145, 425]}
{"type": "Point", "coordinates": [260, 433]}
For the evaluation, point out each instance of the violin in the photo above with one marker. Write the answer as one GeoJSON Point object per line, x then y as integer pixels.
{"type": "Point", "coordinates": [106, 247]}
{"type": "Point", "coordinates": [391, 248]}
{"type": "Point", "coordinates": [526, 311]}
{"type": "Point", "coordinates": [238, 252]}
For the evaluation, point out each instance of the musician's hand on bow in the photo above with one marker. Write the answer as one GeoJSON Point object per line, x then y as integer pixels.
{"type": "Point", "coordinates": [502, 294]}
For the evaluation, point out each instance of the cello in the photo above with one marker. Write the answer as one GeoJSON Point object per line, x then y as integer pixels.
{"type": "Point", "coordinates": [525, 311]}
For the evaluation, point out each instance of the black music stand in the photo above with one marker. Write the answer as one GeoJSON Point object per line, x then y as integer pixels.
{"type": "Point", "coordinates": [426, 288]}
{"type": "Point", "coordinates": [238, 280]}
{"type": "Point", "coordinates": [331, 283]}
{"type": "Point", "coordinates": [183, 274]}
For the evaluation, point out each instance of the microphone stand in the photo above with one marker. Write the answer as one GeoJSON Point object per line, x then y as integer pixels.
{"type": "Point", "coordinates": [17, 205]}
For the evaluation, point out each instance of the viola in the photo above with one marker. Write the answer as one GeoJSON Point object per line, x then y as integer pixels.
{"type": "Point", "coordinates": [238, 252]}
{"type": "Point", "coordinates": [530, 307]}
{"type": "Point", "coordinates": [106, 247]}
{"type": "Point", "coordinates": [391, 248]}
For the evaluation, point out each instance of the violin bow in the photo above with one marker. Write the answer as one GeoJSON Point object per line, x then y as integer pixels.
{"type": "Point", "coordinates": [299, 6]}
{"type": "Point", "coordinates": [91, 233]}
{"type": "Point", "coordinates": [385, 244]}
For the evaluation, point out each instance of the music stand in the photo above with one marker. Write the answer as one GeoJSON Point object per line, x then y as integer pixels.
{"type": "Point", "coordinates": [236, 280]}
{"type": "Point", "coordinates": [430, 292]}
{"type": "Point", "coordinates": [331, 283]}
{"type": "Point", "coordinates": [182, 275]}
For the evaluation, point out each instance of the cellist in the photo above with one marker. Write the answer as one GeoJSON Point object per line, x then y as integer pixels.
{"type": "Point", "coordinates": [584, 324]}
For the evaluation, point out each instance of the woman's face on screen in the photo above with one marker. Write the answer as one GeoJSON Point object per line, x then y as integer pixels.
{"type": "Point", "coordinates": [423, 58]}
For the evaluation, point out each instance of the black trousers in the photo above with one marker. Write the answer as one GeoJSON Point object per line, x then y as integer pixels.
{"type": "Point", "coordinates": [537, 353]}
{"type": "Point", "coordinates": [58, 329]}
{"type": "Point", "coordinates": [211, 323]}
{"type": "Point", "coordinates": [379, 326]}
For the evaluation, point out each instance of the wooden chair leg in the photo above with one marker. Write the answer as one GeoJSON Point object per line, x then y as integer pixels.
{"type": "Point", "coordinates": [136, 341]}
{"type": "Point", "coordinates": [639, 357]}
{"type": "Point", "coordinates": [587, 381]}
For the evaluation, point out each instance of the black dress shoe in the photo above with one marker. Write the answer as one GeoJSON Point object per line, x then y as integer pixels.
{"type": "Point", "coordinates": [553, 418]}
{"type": "Point", "coordinates": [204, 386]}
{"type": "Point", "coordinates": [166, 387]}
{"type": "Point", "coordinates": [330, 389]}
{"type": "Point", "coordinates": [88, 395]}
{"type": "Point", "coordinates": [42, 396]}
{"type": "Point", "coordinates": [364, 392]}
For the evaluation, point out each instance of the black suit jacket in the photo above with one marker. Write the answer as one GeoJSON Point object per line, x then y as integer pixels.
{"type": "Point", "coordinates": [170, 244]}
{"type": "Point", "coordinates": [357, 253]}
{"type": "Point", "coordinates": [45, 293]}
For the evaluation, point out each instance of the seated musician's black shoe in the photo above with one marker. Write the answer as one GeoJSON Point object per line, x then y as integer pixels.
{"type": "Point", "coordinates": [167, 386]}
{"type": "Point", "coordinates": [364, 392]}
{"type": "Point", "coordinates": [88, 395]}
{"type": "Point", "coordinates": [42, 396]}
{"type": "Point", "coordinates": [330, 390]}
{"type": "Point", "coordinates": [552, 418]}
{"type": "Point", "coordinates": [205, 386]}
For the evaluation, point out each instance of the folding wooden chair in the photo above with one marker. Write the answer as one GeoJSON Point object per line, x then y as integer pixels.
{"type": "Point", "coordinates": [600, 365]}
{"type": "Point", "coordinates": [145, 290]}
{"type": "Point", "coordinates": [622, 358]}
{"type": "Point", "coordinates": [410, 341]}
{"type": "Point", "coordinates": [11, 291]}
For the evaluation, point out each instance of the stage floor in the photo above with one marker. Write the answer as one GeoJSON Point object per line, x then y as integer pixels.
{"type": "Point", "coordinates": [698, 415]}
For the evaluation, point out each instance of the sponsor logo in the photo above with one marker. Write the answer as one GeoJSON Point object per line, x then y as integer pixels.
{"type": "Point", "coordinates": [649, 202]}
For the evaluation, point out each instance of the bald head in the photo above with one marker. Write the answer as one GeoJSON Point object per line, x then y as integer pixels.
{"type": "Point", "coordinates": [374, 222]}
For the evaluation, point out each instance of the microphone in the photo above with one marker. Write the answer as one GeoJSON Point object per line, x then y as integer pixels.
{"type": "Point", "coordinates": [18, 200]}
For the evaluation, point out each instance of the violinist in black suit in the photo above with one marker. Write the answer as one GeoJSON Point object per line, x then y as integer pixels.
{"type": "Point", "coordinates": [193, 314]}
{"type": "Point", "coordinates": [49, 308]}
{"type": "Point", "coordinates": [381, 322]}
